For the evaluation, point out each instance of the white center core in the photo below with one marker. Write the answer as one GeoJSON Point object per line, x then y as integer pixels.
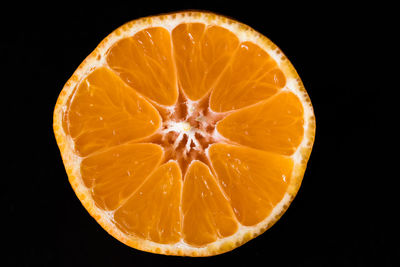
{"type": "Point", "coordinates": [182, 129]}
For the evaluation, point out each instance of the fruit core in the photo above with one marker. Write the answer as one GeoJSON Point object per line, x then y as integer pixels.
{"type": "Point", "coordinates": [188, 129]}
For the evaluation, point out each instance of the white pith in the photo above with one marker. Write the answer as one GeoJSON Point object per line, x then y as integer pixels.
{"type": "Point", "coordinates": [183, 128]}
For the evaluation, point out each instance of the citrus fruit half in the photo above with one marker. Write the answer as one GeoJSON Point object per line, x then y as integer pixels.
{"type": "Point", "coordinates": [185, 134]}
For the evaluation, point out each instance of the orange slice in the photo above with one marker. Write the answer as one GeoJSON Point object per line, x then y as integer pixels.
{"type": "Point", "coordinates": [185, 134]}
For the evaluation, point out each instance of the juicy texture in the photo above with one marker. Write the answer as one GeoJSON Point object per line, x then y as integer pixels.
{"type": "Point", "coordinates": [113, 175]}
{"type": "Point", "coordinates": [196, 90]}
{"type": "Point", "coordinates": [249, 182]}
{"type": "Point", "coordinates": [275, 125]}
{"type": "Point", "coordinates": [252, 75]}
{"type": "Point", "coordinates": [201, 55]}
{"type": "Point", "coordinates": [105, 112]}
{"type": "Point", "coordinates": [144, 61]}
{"type": "Point", "coordinates": [152, 212]}
{"type": "Point", "coordinates": [206, 211]}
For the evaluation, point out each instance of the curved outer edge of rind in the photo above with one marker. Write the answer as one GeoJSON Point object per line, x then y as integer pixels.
{"type": "Point", "coordinates": [97, 58]}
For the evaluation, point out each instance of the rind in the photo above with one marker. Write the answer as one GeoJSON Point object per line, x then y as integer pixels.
{"type": "Point", "coordinates": [169, 21]}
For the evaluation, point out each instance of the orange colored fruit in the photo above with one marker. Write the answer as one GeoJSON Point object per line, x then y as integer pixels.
{"type": "Point", "coordinates": [185, 134]}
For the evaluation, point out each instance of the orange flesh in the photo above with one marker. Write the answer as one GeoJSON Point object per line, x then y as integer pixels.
{"type": "Point", "coordinates": [201, 54]}
{"type": "Point", "coordinates": [249, 181]}
{"type": "Point", "coordinates": [167, 176]}
{"type": "Point", "coordinates": [114, 174]}
{"type": "Point", "coordinates": [251, 76]}
{"type": "Point", "coordinates": [275, 125]}
{"type": "Point", "coordinates": [99, 118]}
{"type": "Point", "coordinates": [162, 225]}
{"type": "Point", "coordinates": [144, 62]}
{"type": "Point", "coordinates": [206, 211]}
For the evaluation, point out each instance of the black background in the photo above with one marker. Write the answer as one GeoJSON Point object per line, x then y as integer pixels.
{"type": "Point", "coordinates": [342, 213]}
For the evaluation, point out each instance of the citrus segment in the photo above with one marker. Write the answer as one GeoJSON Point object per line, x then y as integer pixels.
{"type": "Point", "coordinates": [207, 214]}
{"type": "Point", "coordinates": [144, 61]}
{"type": "Point", "coordinates": [114, 174]}
{"type": "Point", "coordinates": [255, 181]}
{"type": "Point", "coordinates": [104, 112]}
{"type": "Point", "coordinates": [251, 76]}
{"type": "Point", "coordinates": [275, 125]}
{"type": "Point", "coordinates": [153, 210]}
{"type": "Point", "coordinates": [201, 53]}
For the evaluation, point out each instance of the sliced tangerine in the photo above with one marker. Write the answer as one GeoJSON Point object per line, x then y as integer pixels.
{"type": "Point", "coordinates": [185, 134]}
